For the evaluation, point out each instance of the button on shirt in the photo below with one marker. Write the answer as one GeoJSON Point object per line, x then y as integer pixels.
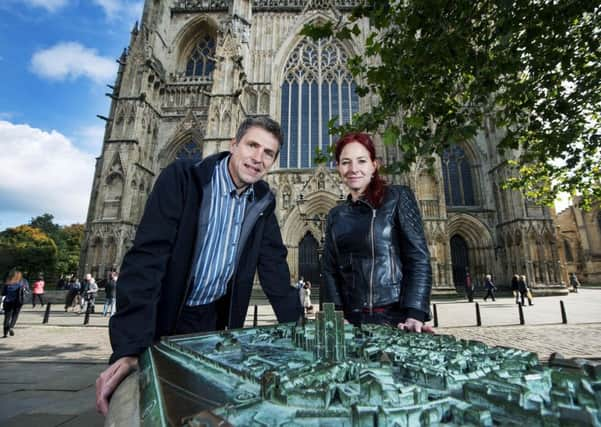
{"type": "Point", "coordinates": [215, 264]}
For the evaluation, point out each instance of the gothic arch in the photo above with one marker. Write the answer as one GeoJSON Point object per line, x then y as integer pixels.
{"type": "Point", "coordinates": [185, 41]}
{"type": "Point", "coordinates": [189, 141]}
{"type": "Point", "coordinates": [479, 240]}
{"type": "Point", "coordinates": [295, 226]}
{"type": "Point", "coordinates": [468, 188]}
{"type": "Point", "coordinates": [282, 55]}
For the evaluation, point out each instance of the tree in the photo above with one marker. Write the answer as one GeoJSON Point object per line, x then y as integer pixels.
{"type": "Point", "coordinates": [45, 223]}
{"type": "Point", "coordinates": [441, 69]}
{"type": "Point", "coordinates": [27, 248]}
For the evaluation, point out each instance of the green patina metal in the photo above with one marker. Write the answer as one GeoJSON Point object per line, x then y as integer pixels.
{"type": "Point", "coordinates": [327, 373]}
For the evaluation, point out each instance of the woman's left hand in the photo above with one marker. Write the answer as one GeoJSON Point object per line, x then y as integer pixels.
{"type": "Point", "coordinates": [414, 325]}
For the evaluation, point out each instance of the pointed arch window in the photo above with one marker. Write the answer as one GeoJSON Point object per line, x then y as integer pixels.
{"type": "Point", "coordinates": [201, 61]}
{"type": "Point", "coordinates": [189, 151]}
{"type": "Point", "coordinates": [568, 250]}
{"type": "Point", "coordinates": [317, 87]}
{"type": "Point", "coordinates": [457, 175]}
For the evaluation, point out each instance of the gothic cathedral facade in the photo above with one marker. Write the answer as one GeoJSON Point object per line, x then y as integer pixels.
{"type": "Point", "coordinates": [194, 69]}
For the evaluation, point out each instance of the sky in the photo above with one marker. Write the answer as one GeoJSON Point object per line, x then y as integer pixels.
{"type": "Point", "coordinates": [56, 58]}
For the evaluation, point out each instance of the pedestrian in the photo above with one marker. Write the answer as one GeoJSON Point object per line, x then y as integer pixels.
{"type": "Point", "coordinates": [490, 287]}
{"type": "Point", "coordinates": [110, 289]}
{"type": "Point", "coordinates": [85, 286]}
{"type": "Point", "coordinates": [207, 228]}
{"type": "Point", "coordinates": [90, 295]}
{"type": "Point", "coordinates": [469, 287]}
{"type": "Point", "coordinates": [13, 291]}
{"type": "Point", "coordinates": [38, 291]}
{"type": "Point", "coordinates": [574, 282]}
{"type": "Point", "coordinates": [307, 297]}
{"type": "Point", "coordinates": [515, 289]}
{"type": "Point", "coordinates": [376, 259]}
{"type": "Point", "coordinates": [524, 291]}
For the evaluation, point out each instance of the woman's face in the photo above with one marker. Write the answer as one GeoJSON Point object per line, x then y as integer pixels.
{"type": "Point", "coordinates": [355, 167]}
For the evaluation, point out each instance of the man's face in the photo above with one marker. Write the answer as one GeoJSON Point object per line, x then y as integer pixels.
{"type": "Point", "coordinates": [252, 156]}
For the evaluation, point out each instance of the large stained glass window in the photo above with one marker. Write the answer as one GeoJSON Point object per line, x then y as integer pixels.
{"type": "Point", "coordinates": [457, 174]}
{"type": "Point", "coordinates": [317, 87]}
{"type": "Point", "coordinates": [202, 59]}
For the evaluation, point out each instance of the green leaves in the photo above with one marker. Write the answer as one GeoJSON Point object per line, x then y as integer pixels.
{"type": "Point", "coordinates": [442, 69]}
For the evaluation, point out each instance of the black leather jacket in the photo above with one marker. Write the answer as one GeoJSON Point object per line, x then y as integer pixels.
{"type": "Point", "coordinates": [376, 257]}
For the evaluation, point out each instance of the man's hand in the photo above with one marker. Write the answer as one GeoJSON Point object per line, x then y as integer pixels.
{"type": "Point", "coordinates": [109, 380]}
{"type": "Point", "coordinates": [414, 325]}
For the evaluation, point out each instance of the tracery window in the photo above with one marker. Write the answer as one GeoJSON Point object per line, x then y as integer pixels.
{"type": "Point", "coordinates": [568, 251]}
{"type": "Point", "coordinates": [189, 151]}
{"type": "Point", "coordinates": [457, 175]}
{"type": "Point", "coordinates": [202, 59]}
{"type": "Point", "coordinates": [317, 87]}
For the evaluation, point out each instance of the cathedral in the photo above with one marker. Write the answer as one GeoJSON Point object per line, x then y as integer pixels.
{"type": "Point", "coordinates": [194, 69]}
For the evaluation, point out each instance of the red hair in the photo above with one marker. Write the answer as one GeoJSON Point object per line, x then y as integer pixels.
{"type": "Point", "coordinates": [374, 193]}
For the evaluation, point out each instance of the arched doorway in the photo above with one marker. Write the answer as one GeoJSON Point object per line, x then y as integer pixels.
{"type": "Point", "coordinates": [460, 259]}
{"type": "Point", "coordinates": [308, 259]}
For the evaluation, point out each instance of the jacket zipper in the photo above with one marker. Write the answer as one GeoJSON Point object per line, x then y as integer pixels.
{"type": "Point", "coordinates": [392, 266]}
{"type": "Point", "coordinates": [373, 264]}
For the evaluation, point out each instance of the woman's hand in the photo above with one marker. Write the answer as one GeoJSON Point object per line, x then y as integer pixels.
{"type": "Point", "coordinates": [414, 325]}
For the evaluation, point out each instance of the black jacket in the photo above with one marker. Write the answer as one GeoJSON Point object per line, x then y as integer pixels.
{"type": "Point", "coordinates": [156, 273]}
{"type": "Point", "coordinates": [377, 257]}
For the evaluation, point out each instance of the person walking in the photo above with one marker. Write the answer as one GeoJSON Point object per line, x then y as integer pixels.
{"type": "Point", "coordinates": [13, 291]}
{"type": "Point", "coordinates": [469, 287]}
{"type": "Point", "coordinates": [515, 289]}
{"type": "Point", "coordinates": [306, 292]}
{"type": "Point", "coordinates": [208, 227]}
{"type": "Point", "coordinates": [574, 282]}
{"type": "Point", "coordinates": [90, 295]}
{"type": "Point", "coordinates": [524, 291]}
{"type": "Point", "coordinates": [490, 287]}
{"type": "Point", "coordinates": [38, 291]}
{"type": "Point", "coordinates": [110, 289]}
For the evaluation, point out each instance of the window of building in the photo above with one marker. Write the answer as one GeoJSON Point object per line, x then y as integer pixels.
{"type": "Point", "coordinates": [457, 175]}
{"type": "Point", "coordinates": [568, 251]}
{"type": "Point", "coordinates": [317, 87]}
{"type": "Point", "coordinates": [189, 151]}
{"type": "Point", "coordinates": [202, 59]}
{"type": "Point", "coordinates": [599, 220]}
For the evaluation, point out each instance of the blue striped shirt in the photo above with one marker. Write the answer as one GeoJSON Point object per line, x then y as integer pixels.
{"type": "Point", "coordinates": [215, 264]}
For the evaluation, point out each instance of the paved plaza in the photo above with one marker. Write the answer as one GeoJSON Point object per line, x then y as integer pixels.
{"type": "Point", "coordinates": [48, 370]}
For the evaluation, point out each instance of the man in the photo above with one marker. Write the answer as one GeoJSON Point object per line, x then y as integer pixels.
{"type": "Point", "coordinates": [207, 227]}
{"type": "Point", "coordinates": [109, 289]}
{"type": "Point", "coordinates": [574, 282]}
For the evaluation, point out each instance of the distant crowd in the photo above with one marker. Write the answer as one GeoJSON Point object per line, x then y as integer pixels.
{"type": "Point", "coordinates": [80, 298]}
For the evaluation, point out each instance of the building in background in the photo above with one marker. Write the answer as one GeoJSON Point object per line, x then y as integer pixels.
{"type": "Point", "coordinates": [194, 69]}
{"type": "Point", "coordinates": [580, 241]}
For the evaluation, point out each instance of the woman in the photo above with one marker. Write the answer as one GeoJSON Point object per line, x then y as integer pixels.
{"type": "Point", "coordinates": [13, 300]}
{"type": "Point", "coordinates": [38, 291]}
{"type": "Point", "coordinates": [376, 259]}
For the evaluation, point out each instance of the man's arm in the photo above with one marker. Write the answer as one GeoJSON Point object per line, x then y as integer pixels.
{"type": "Point", "coordinates": [132, 327]}
{"type": "Point", "coordinates": [274, 273]}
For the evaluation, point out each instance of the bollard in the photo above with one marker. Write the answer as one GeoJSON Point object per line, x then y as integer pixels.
{"type": "Point", "coordinates": [86, 319]}
{"type": "Point", "coordinates": [256, 317]}
{"type": "Point", "coordinates": [564, 317]}
{"type": "Point", "coordinates": [321, 298]}
{"type": "Point", "coordinates": [47, 314]}
{"type": "Point", "coordinates": [521, 313]}
{"type": "Point", "coordinates": [435, 315]}
{"type": "Point", "coordinates": [478, 318]}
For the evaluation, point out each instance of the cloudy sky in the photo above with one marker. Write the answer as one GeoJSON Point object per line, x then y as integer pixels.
{"type": "Point", "coordinates": [56, 58]}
